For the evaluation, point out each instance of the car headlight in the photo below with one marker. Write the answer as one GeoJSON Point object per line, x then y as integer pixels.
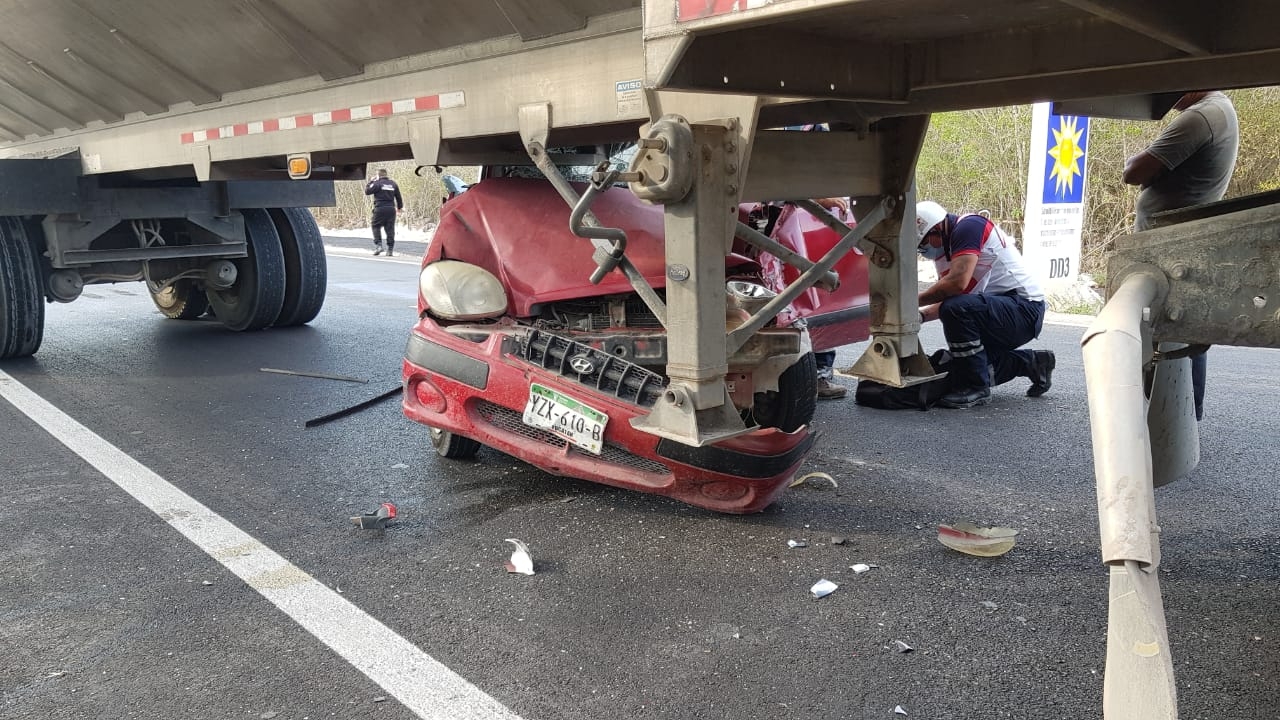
{"type": "Point", "coordinates": [748, 296]}
{"type": "Point", "coordinates": [455, 290]}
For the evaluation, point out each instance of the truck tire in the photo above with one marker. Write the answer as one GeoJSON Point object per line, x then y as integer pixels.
{"type": "Point", "coordinates": [306, 270]}
{"type": "Point", "coordinates": [21, 301]}
{"type": "Point", "coordinates": [795, 401]}
{"type": "Point", "coordinates": [454, 447]}
{"type": "Point", "coordinates": [254, 302]}
{"type": "Point", "coordinates": [183, 300]}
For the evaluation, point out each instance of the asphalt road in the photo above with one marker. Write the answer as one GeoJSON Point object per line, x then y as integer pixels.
{"type": "Point", "coordinates": [641, 607]}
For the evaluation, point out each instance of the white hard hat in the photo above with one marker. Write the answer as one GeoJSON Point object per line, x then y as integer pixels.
{"type": "Point", "coordinates": [928, 214]}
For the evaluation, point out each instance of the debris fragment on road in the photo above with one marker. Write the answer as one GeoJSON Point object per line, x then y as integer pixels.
{"type": "Point", "coordinates": [521, 562]}
{"type": "Point", "coordinates": [797, 543]}
{"type": "Point", "coordinates": [902, 647]}
{"type": "Point", "coordinates": [860, 568]}
{"type": "Point", "coordinates": [990, 605]}
{"type": "Point", "coordinates": [838, 540]}
{"type": "Point", "coordinates": [980, 541]}
{"type": "Point", "coordinates": [397, 390]}
{"type": "Point", "coordinates": [377, 520]}
{"type": "Point", "coordinates": [897, 710]}
{"type": "Point", "coordinates": [322, 376]}
{"type": "Point", "coordinates": [823, 588]}
{"type": "Point", "coordinates": [813, 476]}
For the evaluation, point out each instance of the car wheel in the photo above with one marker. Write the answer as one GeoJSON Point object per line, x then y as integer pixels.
{"type": "Point", "coordinates": [454, 447]}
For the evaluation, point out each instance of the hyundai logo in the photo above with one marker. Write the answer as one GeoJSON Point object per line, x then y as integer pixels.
{"type": "Point", "coordinates": [582, 365]}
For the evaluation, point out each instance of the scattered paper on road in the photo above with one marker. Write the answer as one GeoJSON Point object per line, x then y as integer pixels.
{"type": "Point", "coordinates": [521, 562]}
{"type": "Point", "coordinates": [823, 588]}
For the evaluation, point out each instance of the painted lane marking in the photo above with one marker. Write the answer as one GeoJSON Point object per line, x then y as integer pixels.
{"type": "Point", "coordinates": [419, 681]}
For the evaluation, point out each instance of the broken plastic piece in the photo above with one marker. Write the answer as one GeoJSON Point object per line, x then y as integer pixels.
{"type": "Point", "coordinates": [860, 568]}
{"type": "Point", "coordinates": [990, 605]}
{"type": "Point", "coordinates": [817, 475]}
{"type": "Point", "coordinates": [973, 540]}
{"type": "Point", "coordinates": [823, 588]}
{"type": "Point", "coordinates": [902, 647]}
{"type": "Point", "coordinates": [837, 540]}
{"type": "Point", "coordinates": [521, 562]}
{"type": "Point", "coordinates": [897, 710]}
{"type": "Point", "coordinates": [377, 520]}
{"type": "Point", "coordinates": [797, 543]}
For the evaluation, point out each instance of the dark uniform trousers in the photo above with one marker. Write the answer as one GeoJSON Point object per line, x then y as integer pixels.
{"type": "Point", "coordinates": [983, 332]}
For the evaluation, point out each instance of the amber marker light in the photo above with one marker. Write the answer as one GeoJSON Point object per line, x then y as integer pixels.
{"type": "Point", "coordinates": [300, 166]}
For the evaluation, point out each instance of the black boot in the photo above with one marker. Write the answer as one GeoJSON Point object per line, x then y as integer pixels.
{"type": "Point", "coordinates": [1042, 364]}
{"type": "Point", "coordinates": [965, 398]}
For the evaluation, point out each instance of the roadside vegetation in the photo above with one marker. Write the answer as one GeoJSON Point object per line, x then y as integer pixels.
{"type": "Point", "coordinates": [977, 160]}
{"type": "Point", "coordinates": [422, 196]}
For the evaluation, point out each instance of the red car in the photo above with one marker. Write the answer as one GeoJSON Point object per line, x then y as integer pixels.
{"type": "Point", "coordinates": [516, 350]}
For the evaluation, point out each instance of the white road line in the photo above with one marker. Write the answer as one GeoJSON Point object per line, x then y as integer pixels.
{"type": "Point", "coordinates": [417, 680]}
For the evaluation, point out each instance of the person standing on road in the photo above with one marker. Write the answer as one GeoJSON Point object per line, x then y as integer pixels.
{"type": "Point", "coordinates": [1189, 163]}
{"type": "Point", "coordinates": [988, 302]}
{"type": "Point", "coordinates": [387, 203]}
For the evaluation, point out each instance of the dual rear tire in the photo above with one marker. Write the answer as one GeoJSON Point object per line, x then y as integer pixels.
{"type": "Point", "coordinates": [281, 282]}
{"type": "Point", "coordinates": [21, 295]}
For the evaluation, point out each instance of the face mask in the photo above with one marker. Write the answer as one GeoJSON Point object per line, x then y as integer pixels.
{"type": "Point", "coordinates": [929, 252]}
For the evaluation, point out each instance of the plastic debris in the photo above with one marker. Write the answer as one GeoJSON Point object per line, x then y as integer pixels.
{"type": "Point", "coordinates": [393, 392]}
{"type": "Point", "coordinates": [860, 568]}
{"type": "Point", "coordinates": [902, 647]}
{"type": "Point", "coordinates": [990, 605]}
{"type": "Point", "coordinates": [897, 710]}
{"type": "Point", "coordinates": [380, 699]}
{"type": "Point", "coordinates": [322, 376]}
{"type": "Point", "coordinates": [205, 582]}
{"type": "Point", "coordinates": [399, 466]}
{"type": "Point", "coordinates": [813, 475]}
{"type": "Point", "coordinates": [521, 562]}
{"type": "Point", "coordinates": [377, 520]}
{"type": "Point", "coordinates": [837, 540]}
{"type": "Point", "coordinates": [980, 541]}
{"type": "Point", "coordinates": [797, 543]}
{"type": "Point", "coordinates": [823, 588]}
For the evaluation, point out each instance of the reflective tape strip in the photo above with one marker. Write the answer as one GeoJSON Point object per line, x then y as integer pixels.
{"type": "Point", "coordinates": [967, 353]}
{"type": "Point", "coordinates": [964, 344]}
{"type": "Point", "coordinates": [424, 103]}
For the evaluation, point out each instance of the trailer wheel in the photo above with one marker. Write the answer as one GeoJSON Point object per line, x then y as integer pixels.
{"type": "Point", "coordinates": [305, 268]}
{"type": "Point", "coordinates": [795, 401]}
{"type": "Point", "coordinates": [183, 300]}
{"type": "Point", "coordinates": [454, 447]}
{"type": "Point", "coordinates": [254, 302]}
{"type": "Point", "coordinates": [21, 304]}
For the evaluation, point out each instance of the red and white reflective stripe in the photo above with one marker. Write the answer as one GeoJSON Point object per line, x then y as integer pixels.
{"type": "Point", "coordinates": [329, 117]}
{"type": "Point", "coordinates": [698, 9]}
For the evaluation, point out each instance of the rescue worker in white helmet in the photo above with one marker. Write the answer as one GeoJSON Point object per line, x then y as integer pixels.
{"type": "Point", "coordinates": [988, 302]}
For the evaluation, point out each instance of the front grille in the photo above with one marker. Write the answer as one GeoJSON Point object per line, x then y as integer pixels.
{"type": "Point", "coordinates": [608, 373]}
{"type": "Point", "coordinates": [511, 421]}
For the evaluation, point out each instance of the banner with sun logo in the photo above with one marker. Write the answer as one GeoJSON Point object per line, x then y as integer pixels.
{"type": "Point", "coordinates": [1055, 196]}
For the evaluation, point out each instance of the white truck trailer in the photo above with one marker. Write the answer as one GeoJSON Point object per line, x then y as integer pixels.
{"type": "Point", "coordinates": [175, 142]}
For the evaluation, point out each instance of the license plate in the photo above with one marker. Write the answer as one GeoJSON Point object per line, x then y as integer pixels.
{"type": "Point", "coordinates": [581, 425]}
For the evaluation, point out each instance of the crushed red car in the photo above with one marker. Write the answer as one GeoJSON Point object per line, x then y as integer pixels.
{"type": "Point", "coordinates": [515, 349]}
